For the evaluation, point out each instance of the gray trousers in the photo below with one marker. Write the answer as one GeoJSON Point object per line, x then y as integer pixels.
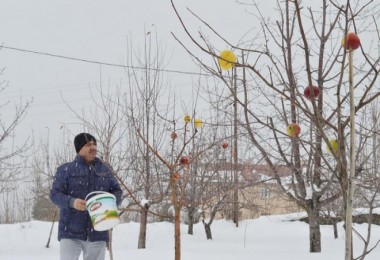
{"type": "Point", "coordinates": [70, 249]}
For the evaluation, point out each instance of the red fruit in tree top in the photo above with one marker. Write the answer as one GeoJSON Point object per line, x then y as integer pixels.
{"type": "Point", "coordinates": [184, 160]}
{"type": "Point", "coordinates": [311, 90]}
{"type": "Point", "coordinates": [351, 41]}
{"type": "Point", "coordinates": [293, 130]}
{"type": "Point", "coordinates": [225, 145]}
{"type": "Point", "coordinates": [173, 135]}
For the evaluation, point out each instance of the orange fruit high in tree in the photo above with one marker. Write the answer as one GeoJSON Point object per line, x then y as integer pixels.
{"type": "Point", "coordinates": [175, 176]}
{"type": "Point", "coordinates": [293, 130]}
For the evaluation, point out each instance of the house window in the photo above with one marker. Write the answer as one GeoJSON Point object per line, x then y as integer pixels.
{"type": "Point", "coordinates": [265, 193]}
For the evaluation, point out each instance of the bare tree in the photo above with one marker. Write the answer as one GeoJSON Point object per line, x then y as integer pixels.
{"type": "Point", "coordinates": [43, 165]}
{"type": "Point", "coordinates": [13, 154]}
{"type": "Point", "coordinates": [367, 173]}
{"type": "Point", "coordinates": [145, 113]}
{"type": "Point", "coordinates": [301, 48]}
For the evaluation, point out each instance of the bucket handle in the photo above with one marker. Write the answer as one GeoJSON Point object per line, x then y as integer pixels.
{"type": "Point", "coordinates": [96, 192]}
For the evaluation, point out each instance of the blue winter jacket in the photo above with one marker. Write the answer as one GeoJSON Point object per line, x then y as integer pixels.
{"type": "Point", "coordinates": [75, 180]}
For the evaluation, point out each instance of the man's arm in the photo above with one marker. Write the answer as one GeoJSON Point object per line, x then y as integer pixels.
{"type": "Point", "coordinates": [58, 192]}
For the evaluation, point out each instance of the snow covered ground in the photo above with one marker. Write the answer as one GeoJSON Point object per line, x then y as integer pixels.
{"type": "Point", "coordinates": [266, 238]}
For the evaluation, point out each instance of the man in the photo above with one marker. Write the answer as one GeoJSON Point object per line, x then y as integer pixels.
{"type": "Point", "coordinates": [72, 182]}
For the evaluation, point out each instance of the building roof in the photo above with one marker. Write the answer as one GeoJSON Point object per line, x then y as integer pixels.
{"type": "Point", "coordinates": [252, 172]}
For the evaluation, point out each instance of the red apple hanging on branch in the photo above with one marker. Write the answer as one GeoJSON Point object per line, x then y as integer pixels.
{"type": "Point", "coordinates": [225, 145]}
{"type": "Point", "coordinates": [293, 130]}
{"type": "Point", "coordinates": [184, 160]}
{"type": "Point", "coordinates": [311, 92]}
{"type": "Point", "coordinates": [351, 41]}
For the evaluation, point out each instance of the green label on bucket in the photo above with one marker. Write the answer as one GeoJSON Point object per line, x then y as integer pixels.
{"type": "Point", "coordinates": [103, 198]}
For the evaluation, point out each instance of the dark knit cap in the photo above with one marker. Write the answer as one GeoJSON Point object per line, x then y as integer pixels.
{"type": "Point", "coordinates": [81, 139]}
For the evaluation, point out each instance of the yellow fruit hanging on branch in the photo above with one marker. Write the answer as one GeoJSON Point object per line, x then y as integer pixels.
{"type": "Point", "coordinates": [334, 146]}
{"type": "Point", "coordinates": [227, 60]}
{"type": "Point", "coordinates": [187, 119]}
{"type": "Point", "coordinates": [198, 123]}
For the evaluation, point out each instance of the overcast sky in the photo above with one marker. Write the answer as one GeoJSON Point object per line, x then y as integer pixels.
{"type": "Point", "coordinates": [98, 30]}
{"type": "Point", "coordinates": [93, 30]}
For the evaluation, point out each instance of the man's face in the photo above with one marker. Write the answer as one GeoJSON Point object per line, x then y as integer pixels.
{"type": "Point", "coordinates": [88, 151]}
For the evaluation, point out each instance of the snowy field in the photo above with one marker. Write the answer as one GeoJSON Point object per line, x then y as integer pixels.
{"type": "Point", "coordinates": [266, 238]}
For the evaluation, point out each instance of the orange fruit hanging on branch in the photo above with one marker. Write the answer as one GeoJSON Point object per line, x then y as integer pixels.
{"type": "Point", "coordinates": [175, 176]}
{"type": "Point", "coordinates": [293, 130]}
{"type": "Point", "coordinates": [227, 60]}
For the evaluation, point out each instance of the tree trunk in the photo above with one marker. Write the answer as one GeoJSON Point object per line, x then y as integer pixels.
{"type": "Point", "coordinates": [207, 230]}
{"type": "Point", "coordinates": [143, 227]}
{"type": "Point", "coordinates": [190, 229]}
{"type": "Point", "coordinates": [335, 230]}
{"type": "Point", "coordinates": [177, 232]}
{"type": "Point", "coordinates": [52, 225]}
{"type": "Point", "coordinates": [212, 216]}
{"type": "Point", "coordinates": [314, 232]}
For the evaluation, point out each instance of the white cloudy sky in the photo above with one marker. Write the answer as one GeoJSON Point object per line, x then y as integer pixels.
{"type": "Point", "coordinates": [93, 30]}
{"type": "Point", "coordinates": [99, 30]}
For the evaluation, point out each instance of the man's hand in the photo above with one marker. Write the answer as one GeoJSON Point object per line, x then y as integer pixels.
{"type": "Point", "coordinates": [80, 204]}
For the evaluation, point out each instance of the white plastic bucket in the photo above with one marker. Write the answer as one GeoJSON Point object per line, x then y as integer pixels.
{"type": "Point", "coordinates": [103, 210]}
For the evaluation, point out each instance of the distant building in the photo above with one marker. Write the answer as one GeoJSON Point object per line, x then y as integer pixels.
{"type": "Point", "coordinates": [258, 191]}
